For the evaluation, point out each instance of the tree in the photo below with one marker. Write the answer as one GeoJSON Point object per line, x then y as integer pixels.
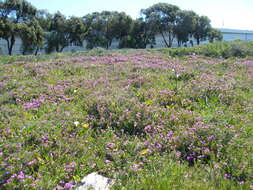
{"type": "Point", "coordinates": [32, 36]}
{"type": "Point", "coordinates": [185, 25]}
{"type": "Point", "coordinates": [98, 26]}
{"type": "Point", "coordinates": [8, 32]}
{"type": "Point", "coordinates": [44, 18]}
{"type": "Point", "coordinates": [105, 26]}
{"type": "Point", "coordinates": [64, 31]}
{"type": "Point", "coordinates": [202, 28]}
{"type": "Point", "coordinates": [14, 12]}
{"type": "Point", "coordinates": [76, 30]}
{"type": "Point", "coordinates": [214, 35]}
{"type": "Point", "coordinates": [140, 35]}
{"type": "Point", "coordinates": [96, 30]}
{"type": "Point", "coordinates": [57, 37]}
{"type": "Point", "coordinates": [162, 18]}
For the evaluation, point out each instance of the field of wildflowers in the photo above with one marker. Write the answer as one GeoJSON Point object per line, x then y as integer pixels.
{"type": "Point", "coordinates": [146, 119]}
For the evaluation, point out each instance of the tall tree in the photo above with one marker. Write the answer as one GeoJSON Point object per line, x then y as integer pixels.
{"type": "Point", "coordinates": [140, 35]}
{"type": "Point", "coordinates": [185, 25]}
{"type": "Point", "coordinates": [214, 35]}
{"type": "Point", "coordinates": [63, 31]}
{"type": "Point", "coordinates": [57, 37]}
{"type": "Point", "coordinates": [44, 18]}
{"type": "Point", "coordinates": [105, 26]}
{"type": "Point", "coordinates": [162, 18]}
{"type": "Point", "coordinates": [120, 25]}
{"type": "Point", "coordinates": [76, 30]}
{"type": "Point", "coordinates": [14, 12]}
{"type": "Point", "coordinates": [8, 31]}
{"type": "Point", "coordinates": [32, 36]}
{"type": "Point", "coordinates": [98, 29]}
{"type": "Point", "coordinates": [202, 28]}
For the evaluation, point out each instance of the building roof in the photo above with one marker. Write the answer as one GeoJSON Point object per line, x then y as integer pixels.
{"type": "Point", "coordinates": [235, 31]}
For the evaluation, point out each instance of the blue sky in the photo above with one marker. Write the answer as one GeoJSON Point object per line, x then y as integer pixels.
{"type": "Point", "coordinates": [234, 14]}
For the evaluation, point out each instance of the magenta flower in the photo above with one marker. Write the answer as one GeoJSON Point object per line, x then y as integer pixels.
{"type": "Point", "coordinates": [58, 187]}
{"type": "Point", "coordinates": [108, 161]}
{"type": "Point", "coordinates": [31, 162]}
{"type": "Point", "coordinates": [71, 165]}
{"type": "Point", "coordinates": [210, 138]}
{"type": "Point", "coordinates": [33, 104]}
{"type": "Point", "coordinates": [110, 145]}
{"type": "Point", "coordinates": [68, 185]}
{"type": "Point", "coordinates": [148, 128]}
{"type": "Point", "coordinates": [21, 175]}
{"type": "Point", "coordinates": [178, 154]}
{"type": "Point", "coordinates": [227, 176]}
{"type": "Point", "coordinates": [170, 134]}
{"type": "Point", "coordinates": [61, 182]}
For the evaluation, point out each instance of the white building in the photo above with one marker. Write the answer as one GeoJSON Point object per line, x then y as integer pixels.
{"type": "Point", "coordinates": [16, 47]}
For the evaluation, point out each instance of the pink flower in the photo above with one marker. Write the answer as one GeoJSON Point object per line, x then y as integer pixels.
{"type": "Point", "coordinates": [71, 165]}
{"type": "Point", "coordinates": [136, 167]}
{"type": "Point", "coordinates": [170, 134]}
{"type": "Point", "coordinates": [21, 175]}
{"type": "Point", "coordinates": [178, 154]}
{"type": "Point", "coordinates": [148, 128]}
{"type": "Point", "coordinates": [110, 145]}
{"type": "Point", "coordinates": [216, 165]}
{"type": "Point", "coordinates": [68, 186]}
{"type": "Point", "coordinates": [58, 187]}
{"type": "Point", "coordinates": [125, 143]}
{"type": "Point", "coordinates": [61, 182]}
{"type": "Point", "coordinates": [158, 145]}
{"type": "Point", "coordinates": [205, 149]}
{"type": "Point", "coordinates": [108, 161]}
{"type": "Point", "coordinates": [31, 162]}
{"type": "Point", "coordinates": [227, 176]}
{"type": "Point", "coordinates": [14, 176]}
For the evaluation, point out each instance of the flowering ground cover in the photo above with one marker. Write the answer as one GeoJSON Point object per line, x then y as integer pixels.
{"type": "Point", "coordinates": [146, 119]}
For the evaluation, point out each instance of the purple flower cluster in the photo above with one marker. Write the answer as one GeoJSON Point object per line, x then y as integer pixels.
{"type": "Point", "coordinates": [129, 111]}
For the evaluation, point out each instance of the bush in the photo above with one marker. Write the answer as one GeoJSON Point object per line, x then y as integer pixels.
{"type": "Point", "coordinates": [217, 49]}
{"type": "Point", "coordinates": [97, 51]}
{"type": "Point", "coordinates": [239, 49]}
{"type": "Point", "coordinates": [128, 118]}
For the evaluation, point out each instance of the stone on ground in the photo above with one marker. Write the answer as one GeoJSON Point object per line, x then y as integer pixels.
{"type": "Point", "coordinates": [94, 181]}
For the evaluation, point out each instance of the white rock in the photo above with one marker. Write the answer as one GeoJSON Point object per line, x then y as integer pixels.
{"type": "Point", "coordinates": [95, 181]}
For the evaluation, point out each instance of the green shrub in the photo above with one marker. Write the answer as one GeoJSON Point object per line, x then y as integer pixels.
{"type": "Point", "coordinates": [217, 49]}
{"type": "Point", "coordinates": [239, 49]}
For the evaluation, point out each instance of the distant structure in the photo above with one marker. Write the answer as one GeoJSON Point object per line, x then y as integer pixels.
{"type": "Point", "coordinates": [228, 35]}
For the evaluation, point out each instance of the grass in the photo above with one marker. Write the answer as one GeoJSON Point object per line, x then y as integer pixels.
{"type": "Point", "coordinates": [149, 119]}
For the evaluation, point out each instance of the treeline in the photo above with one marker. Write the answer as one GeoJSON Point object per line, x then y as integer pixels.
{"type": "Point", "coordinates": [39, 29]}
